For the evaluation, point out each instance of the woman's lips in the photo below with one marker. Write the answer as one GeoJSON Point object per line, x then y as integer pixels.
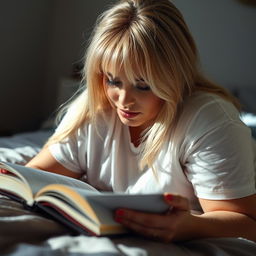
{"type": "Point", "coordinates": [128, 114]}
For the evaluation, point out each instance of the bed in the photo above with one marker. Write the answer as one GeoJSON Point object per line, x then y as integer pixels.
{"type": "Point", "coordinates": [26, 233]}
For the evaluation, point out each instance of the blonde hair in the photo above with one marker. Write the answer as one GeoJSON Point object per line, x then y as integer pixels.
{"type": "Point", "coordinates": [148, 38]}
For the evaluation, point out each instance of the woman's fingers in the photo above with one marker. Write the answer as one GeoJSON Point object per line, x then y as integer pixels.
{"type": "Point", "coordinates": [148, 220]}
{"type": "Point", "coordinates": [163, 226]}
{"type": "Point", "coordinates": [153, 226]}
{"type": "Point", "coordinates": [176, 201]}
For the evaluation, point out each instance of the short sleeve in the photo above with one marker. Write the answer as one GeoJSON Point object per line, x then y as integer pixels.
{"type": "Point", "coordinates": [71, 152]}
{"type": "Point", "coordinates": [220, 162]}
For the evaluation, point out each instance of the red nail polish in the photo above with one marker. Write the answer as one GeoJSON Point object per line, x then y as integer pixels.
{"type": "Point", "coordinates": [169, 197]}
{"type": "Point", "coordinates": [120, 212]}
{"type": "Point", "coordinates": [3, 171]}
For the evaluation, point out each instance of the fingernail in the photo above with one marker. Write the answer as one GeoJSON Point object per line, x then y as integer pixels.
{"type": "Point", "coordinates": [120, 212]}
{"type": "Point", "coordinates": [168, 197]}
{"type": "Point", "coordinates": [3, 171]}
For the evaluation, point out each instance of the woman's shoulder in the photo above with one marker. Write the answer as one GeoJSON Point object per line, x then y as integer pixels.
{"type": "Point", "coordinates": [209, 106]}
{"type": "Point", "coordinates": [203, 112]}
{"type": "Point", "coordinates": [200, 100]}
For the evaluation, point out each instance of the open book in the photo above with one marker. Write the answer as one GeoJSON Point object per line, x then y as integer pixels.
{"type": "Point", "coordinates": [72, 202]}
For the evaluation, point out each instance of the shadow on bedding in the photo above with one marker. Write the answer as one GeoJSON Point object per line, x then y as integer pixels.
{"type": "Point", "coordinates": [21, 226]}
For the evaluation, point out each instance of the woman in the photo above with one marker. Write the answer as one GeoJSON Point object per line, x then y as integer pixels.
{"type": "Point", "coordinates": [149, 121]}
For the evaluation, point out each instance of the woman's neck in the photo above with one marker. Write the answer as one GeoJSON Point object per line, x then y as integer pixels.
{"type": "Point", "coordinates": [135, 135]}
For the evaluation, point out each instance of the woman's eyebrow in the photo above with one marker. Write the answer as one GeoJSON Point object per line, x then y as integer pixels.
{"type": "Point", "coordinates": [140, 80]}
{"type": "Point", "coordinates": [111, 76]}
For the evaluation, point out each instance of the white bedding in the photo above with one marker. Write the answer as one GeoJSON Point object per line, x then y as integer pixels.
{"type": "Point", "coordinates": [20, 148]}
{"type": "Point", "coordinates": [26, 233]}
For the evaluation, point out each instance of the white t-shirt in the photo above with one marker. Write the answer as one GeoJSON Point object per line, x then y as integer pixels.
{"type": "Point", "coordinates": [208, 155]}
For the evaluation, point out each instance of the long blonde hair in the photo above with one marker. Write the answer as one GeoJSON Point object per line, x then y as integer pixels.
{"type": "Point", "coordinates": [148, 38]}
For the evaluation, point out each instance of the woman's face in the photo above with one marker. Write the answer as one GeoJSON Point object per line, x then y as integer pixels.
{"type": "Point", "coordinates": [135, 104]}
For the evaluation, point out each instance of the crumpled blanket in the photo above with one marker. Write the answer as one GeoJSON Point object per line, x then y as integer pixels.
{"type": "Point", "coordinates": [21, 147]}
{"type": "Point", "coordinates": [27, 233]}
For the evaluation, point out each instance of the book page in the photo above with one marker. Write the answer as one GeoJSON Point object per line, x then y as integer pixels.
{"type": "Point", "coordinates": [153, 203]}
{"type": "Point", "coordinates": [37, 179]}
{"type": "Point", "coordinates": [85, 205]}
{"type": "Point", "coordinates": [105, 203]}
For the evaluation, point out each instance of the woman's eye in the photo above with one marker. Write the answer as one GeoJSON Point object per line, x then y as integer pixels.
{"type": "Point", "coordinates": [143, 87]}
{"type": "Point", "coordinates": [112, 82]}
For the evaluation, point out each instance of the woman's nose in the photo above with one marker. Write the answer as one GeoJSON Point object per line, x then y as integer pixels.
{"type": "Point", "coordinates": [126, 97]}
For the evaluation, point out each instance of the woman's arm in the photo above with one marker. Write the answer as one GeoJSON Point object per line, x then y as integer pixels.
{"type": "Point", "coordinates": [45, 161]}
{"type": "Point", "coordinates": [229, 218]}
{"type": "Point", "coordinates": [234, 218]}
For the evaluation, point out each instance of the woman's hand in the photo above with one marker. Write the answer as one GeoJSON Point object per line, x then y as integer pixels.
{"type": "Point", "coordinates": [221, 218]}
{"type": "Point", "coordinates": [165, 227]}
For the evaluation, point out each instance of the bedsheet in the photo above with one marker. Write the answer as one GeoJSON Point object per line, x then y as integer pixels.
{"type": "Point", "coordinates": [27, 233]}
{"type": "Point", "coordinates": [21, 147]}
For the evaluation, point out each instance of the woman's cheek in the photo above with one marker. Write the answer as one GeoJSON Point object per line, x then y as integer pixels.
{"type": "Point", "coordinates": [112, 95]}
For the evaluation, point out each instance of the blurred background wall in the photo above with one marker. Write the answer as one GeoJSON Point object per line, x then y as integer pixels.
{"type": "Point", "coordinates": [224, 31]}
{"type": "Point", "coordinates": [42, 41]}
